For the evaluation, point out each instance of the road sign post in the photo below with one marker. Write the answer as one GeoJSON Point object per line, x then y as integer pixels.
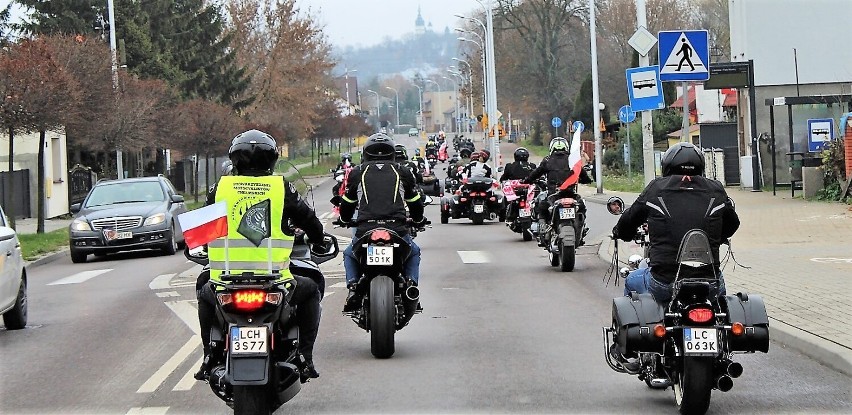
{"type": "Point", "coordinates": [627, 116]}
{"type": "Point", "coordinates": [556, 122]}
{"type": "Point", "coordinates": [684, 55]}
{"type": "Point", "coordinates": [644, 88]}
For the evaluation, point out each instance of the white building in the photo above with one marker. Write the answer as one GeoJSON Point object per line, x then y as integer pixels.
{"type": "Point", "coordinates": [26, 158]}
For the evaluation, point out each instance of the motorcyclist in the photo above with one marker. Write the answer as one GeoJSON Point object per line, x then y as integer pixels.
{"type": "Point", "coordinates": [401, 157]}
{"type": "Point", "coordinates": [374, 189]}
{"type": "Point", "coordinates": [253, 154]}
{"type": "Point", "coordinates": [418, 159]}
{"type": "Point", "coordinates": [679, 201]}
{"type": "Point", "coordinates": [477, 166]}
{"type": "Point", "coordinates": [558, 169]}
{"type": "Point", "coordinates": [431, 148]}
{"type": "Point", "coordinates": [345, 161]}
{"type": "Point", "coordinates": [520, 168]}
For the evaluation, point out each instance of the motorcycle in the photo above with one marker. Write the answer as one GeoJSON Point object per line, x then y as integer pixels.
{"type": "Point", "coordinates": [478, 198]}
{"type": "Point", "coordinates": [688, 343]}
{"type": "Point", "coordinates": [564, 234]}
{"type": "Point", "coordinates": [388, 299]}
{"type": "Point", "coordinates": [431, 185]}
{"type": "Point", "coordinates": [257, 366]}
{"type": "Point", "coordinates": [442, 153]}
{"type": "Point", "coordinates": [432, 159]}
{"type": "Point", "coordinates": [519, 199]}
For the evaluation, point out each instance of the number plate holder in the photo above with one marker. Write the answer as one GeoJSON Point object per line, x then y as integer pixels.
{"type": "Point", "coordinates": [700, 341]}
{"type": "Point", "coordinates": [249, 340]}
{"type": "Point", "coordinates": [379, 255]}
{"type": "Point", "coordinates": [567, 213]}
{"type": "Point", "coordinates": [112, 235]}
{"type": "Point", "coordinates": [524, 213]}
{"type": "Point", "coordinates": [478, 208]}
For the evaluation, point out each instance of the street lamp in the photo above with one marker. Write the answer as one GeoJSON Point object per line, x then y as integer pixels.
{"type": "Point", "coordinates": [429, 81]}
{"type": "Point", "coordinates": [420, 99]}
{"type": "Point", "coordinates": [397, 104]}
{"type": "Point", "coordinates": [491, 90]}
{"type": "Point", "coordinates": [378, 111]}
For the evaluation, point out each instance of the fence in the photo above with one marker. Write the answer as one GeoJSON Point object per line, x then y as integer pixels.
{"type": "Point", "coordinates": [16, 201]}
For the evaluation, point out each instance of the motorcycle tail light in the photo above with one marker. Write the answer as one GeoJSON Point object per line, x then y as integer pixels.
{"type": "Point", "coordinates": [380, 235]}
{"type": "Point", "coordinates": [464, 199]}
{"type": "Point", "coordinates": [567, 201]}
{"type": "Point", "coordinates": [522, 204]}
{"type": "Point", "coordinates": [700, 315]}
{"type": "Point", "coordinates": [493, 199]}
{"type": "Point", "coordinates": [247, 300]}
{"type": "Point", "coordinates": [660, 330]}
{"type": "Point", "coordinates": [737, 329]}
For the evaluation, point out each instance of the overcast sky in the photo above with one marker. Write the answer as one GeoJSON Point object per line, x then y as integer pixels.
{"type": "Point", "coordinates": [367, 22]}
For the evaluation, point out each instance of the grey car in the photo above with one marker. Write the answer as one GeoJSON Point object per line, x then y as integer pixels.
{"type": "Point", "coordinates": [127, 214]}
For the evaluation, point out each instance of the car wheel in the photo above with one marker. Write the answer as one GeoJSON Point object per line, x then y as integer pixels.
{"type": "Point", "coordinates": [78, 257]}
{"type": "Point", "coordinates": [16, 318]}
{"type": "Point", "coordinates": [171, 246]}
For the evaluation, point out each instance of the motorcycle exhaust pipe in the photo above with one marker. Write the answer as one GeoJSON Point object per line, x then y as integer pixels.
{"type": "Point", "coordinates": [734, 370]}
{"type": "Point", "coordinates": [724, 383]}
{"type": "Point", "coordinates": [412, 293]}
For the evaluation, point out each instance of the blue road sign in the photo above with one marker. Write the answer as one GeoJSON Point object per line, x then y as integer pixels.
{"type": "Point", "coordinates": [645, 89]}
{"type": "Point", "coordinates": [820, 133]}
{"type": "Point", "coordinates": [684, 55]}
{"type": "Point", "coordinates": [578, 125]}
{"type": "Point", "coordinates": [556, 122]}
{"type": "Point", "coordinates": [626, 114]}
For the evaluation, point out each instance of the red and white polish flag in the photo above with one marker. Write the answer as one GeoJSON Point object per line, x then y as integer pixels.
{"type": "Point", "coordinates": [575, 160]}
{"type": "Point", "coordinates": [203, 225]}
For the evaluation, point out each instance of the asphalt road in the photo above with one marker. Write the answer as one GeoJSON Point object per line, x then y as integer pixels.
{"type": "Point", "coordinates": [503, 332]}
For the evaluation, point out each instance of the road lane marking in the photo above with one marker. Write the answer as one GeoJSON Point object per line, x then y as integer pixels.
{"type": "Point", "coordinates": [338, 285]}
{"type": "Point", "coordinates": [151, 410]}
{"type": "Point", "coordinates": [170, 366]}
{"type": "Point", "coordinates": [161, 282]}
{"type": "Point", "coordinates": [474, 257]}
{"type": "Point", "coordinates": [81, 277]}
{"type": "Point", "coordinates": [162, 294]}
{"type": "Point", "coordinates": [188, 380]}
{"type": "Point", "coordinates": [187, 313]}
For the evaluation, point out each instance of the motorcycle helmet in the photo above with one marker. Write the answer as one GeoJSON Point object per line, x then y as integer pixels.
{"type": "Point", "coordinates": [474, 156]}
{"type": "Point", "coordinates": [401, 153]}
{"type": "Point", "coordinates": [344, 157]}
{"type": "Point", "coordinates": [522, 154]}
{"type": "Point", "coordinates": [227, 167]}
{"type": "Point", "coordinates": [558, 144]}
{"type": "Point", "coordinates": [378, 147]}
{"type": "Point", "coordinates": [484, 155]}
{"type": "Point", "coordinates": [416, 152]}
{"type": "Point", "coordinates": [683, 159]}
{"type": "Point", "coordinates": [253, 153]}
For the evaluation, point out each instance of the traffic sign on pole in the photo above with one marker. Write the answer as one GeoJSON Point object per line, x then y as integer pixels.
{"type": "Point", "coordinates": [644, 88]}
{"type": "Point", "coordinates": [556, 122]}
{"type": "Point", "coordinates": [684, 55]}
{"type": "Point", "coordinates": [578, 125]}
{"type": "Point", "coordinates": [626, 114]}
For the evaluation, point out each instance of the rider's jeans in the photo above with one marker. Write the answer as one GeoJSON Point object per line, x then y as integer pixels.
{"type": "Point", "coordinates": [642, 282]}
{"type": "Point", "coordinates": [411, 267]}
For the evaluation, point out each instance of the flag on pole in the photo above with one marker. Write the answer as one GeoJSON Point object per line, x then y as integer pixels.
{"type": "Point", "coordinates": [575, 160]}
{"type": "Point", "coordinates": [201, 226]}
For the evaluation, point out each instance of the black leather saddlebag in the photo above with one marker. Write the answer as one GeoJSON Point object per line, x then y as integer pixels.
{"type": "Point", "coordinates": [634, 319]}
{"type": "Point", "coordinates": [751, 312]}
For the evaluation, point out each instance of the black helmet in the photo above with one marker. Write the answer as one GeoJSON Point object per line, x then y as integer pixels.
{"type": "Point", "coordinates": [253, 152]}
{"type": "Point", "coordinates": [345, 156]}
{"type": "Point", "coordinates": [522, 154]}
{"type": "Point", "coordinates": [684, 159]}
{"type": "Point", "coordinates": [378, 147]}
{"type": "Point", "coordinates": [401, 153]}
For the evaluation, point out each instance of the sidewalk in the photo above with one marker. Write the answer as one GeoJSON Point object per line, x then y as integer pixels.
{"type": "Point", "coordinates": [29, 225]}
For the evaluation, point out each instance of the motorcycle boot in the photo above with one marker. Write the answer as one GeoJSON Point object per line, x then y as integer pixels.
{"type": "Point", "coordinates": [630, 365]}
{"type": "Point", "coordinates": [352, 300]}
{"type": "Point", "coordinates": [309, 371]}
{"type": "Point", "coordinates": [203, 373]}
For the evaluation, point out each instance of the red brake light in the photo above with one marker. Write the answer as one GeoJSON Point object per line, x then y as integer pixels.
{"type": "Point", "coordinates": [380, 235]}
{"type": "Point", "coordinates": [521, 204]}
{"type": "Point", "coordinates": [247, 300]}
{"type": "Point", "coordinates": [568, 201]}
{"type": "Point", "coordinates": [700, 315]}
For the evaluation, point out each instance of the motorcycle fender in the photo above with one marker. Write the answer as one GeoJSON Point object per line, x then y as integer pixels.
{"type": "Point", "coordinates": [567, 233]}
{"type": "Point", "coordinates": [634, 319]}
{"type": "Point", "coordinates": [751, 312]}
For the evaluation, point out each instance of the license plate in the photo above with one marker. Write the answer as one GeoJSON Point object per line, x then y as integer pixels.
{"type": "Point", "coordinates": [524, 213]}
{"type": "Point", "coordinates": [700, 341]}
{"type": "Point", "coordinates": [112, 235]}
{"type": "Point", "coordinates": [248, 340]}
{"type": "Point", "coordinates": [379, 255]}
{"type": "Point", "coordinates": [478, 208]}
{"type": "Point", "coordinates": [566, 213]}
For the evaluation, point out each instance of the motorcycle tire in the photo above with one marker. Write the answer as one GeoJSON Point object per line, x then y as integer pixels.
{"type": "Point", "coordinates": [252, 400]}
{"type": "Point", "coordinates": [567, 257]}
{"type": "Point", "coordinates": [382, 317]}
{"type": "Point", "coordinates": [694, 384]}
{"type": "Point", "coordinates": [554, 258]}
{"type": "Point", "coordinates": [528, 236]}
{"type": "Point", "coordinates": [477, 218]}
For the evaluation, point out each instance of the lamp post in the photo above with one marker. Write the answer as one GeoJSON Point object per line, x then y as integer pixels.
{"type": "Point", "coordinates": [119, 162]}
{"type": "Point", "coordinates": [420, 101]}
{"type": "Point", "coordinates": [456, 92]}
{"type": "Point", "coordinates": [470, 85]}
{"type": "Point", "coordinates": [378, 111]}
{"type": "Point", "coordinates": [441, 128]}
{"type": "Point", "coordinates": [397, 104]}
{"type": "Point", "coordinates": [484, 71]}
{"type": "Point", "coordinates": [346, 76]}
{"type": "Point", "coordinates": [492, 80]}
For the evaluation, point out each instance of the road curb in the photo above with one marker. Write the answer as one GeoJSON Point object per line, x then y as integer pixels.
{"type": "Point", "coordinates": [48, 258]}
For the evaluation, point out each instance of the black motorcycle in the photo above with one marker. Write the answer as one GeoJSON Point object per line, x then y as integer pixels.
{"type": "Point", "coordinates": [690, 342]}
{"type": "Point", "coordinates": [565, 232]}
{"type": "Point", "coordinates": [388, 299]}
{"type": "Point", "coordinates": [257, 366]}
{"type": "Point", "coordinates": [478, 198]}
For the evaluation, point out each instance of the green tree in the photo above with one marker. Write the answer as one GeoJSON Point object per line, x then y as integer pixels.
{"type": "Point", "coordinates": [63, 16]}
{"type": "Point", "coordinates": [583, 107]}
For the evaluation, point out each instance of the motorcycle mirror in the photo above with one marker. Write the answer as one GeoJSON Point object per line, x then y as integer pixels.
{"type": "Point", "coordinates": [615, 205]}
{"type": "Point", "coordinates": [197, 255]}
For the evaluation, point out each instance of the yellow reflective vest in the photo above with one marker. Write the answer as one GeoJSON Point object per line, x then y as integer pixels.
{"type": "Point", "coordinates": [255, 208]}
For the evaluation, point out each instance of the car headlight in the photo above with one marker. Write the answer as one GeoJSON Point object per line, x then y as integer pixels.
{"type": "Point", "coordinates": [155, 219]}
{"type": "Point", "coordinates": [80, 225]}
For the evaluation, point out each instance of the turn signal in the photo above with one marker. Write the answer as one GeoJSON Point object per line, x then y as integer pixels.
{"type": "Point", "coordinates": [249, 299]}
{"type": "Point", "coordinates": [660, 330]}
{"type": "Point", "coordinates": [737, 329]}
{"type": "Point", "coordinates": [700, 315]}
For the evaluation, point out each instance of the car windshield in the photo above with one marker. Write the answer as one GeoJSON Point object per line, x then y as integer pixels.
{"type": "Point", "coordinates": [126, 192]}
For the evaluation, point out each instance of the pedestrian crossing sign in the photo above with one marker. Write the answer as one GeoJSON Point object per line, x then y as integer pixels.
{"type": "Point", "coordinates": [684, 55]}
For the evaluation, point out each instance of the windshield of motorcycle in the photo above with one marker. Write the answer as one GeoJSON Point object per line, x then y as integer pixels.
{"type": "Point", "coordinates": [695, 252]}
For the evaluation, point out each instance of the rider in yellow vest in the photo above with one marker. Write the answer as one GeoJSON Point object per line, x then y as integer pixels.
{"type": "Point", "coordinates": [257, 200]}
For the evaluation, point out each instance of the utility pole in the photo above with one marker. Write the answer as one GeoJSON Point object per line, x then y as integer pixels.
{"type": "Point", "coordinates": [596, 98]}
{"type": "Point", "coordinates": [119, 161]}
{"type": "Point", "coordinates": [647, 119]}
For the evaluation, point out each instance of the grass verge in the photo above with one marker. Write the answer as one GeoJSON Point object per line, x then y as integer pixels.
{"type": "Point", "coordinates": [36, 244]}
{"type": "Point", "coordinates": [634, 184]}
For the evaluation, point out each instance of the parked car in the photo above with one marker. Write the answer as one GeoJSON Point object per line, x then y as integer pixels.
{"type": "Point", "coordinates": [412, 132]}
{"type": "Point", "coordinates": [127, 214]}
{"type": "Point", "coordinates": [13, 278]}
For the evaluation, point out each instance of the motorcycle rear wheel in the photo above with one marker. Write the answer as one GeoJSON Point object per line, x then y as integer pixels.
{"type": "Point", "coordinates": [382, 313]}
{"type": "Point", "coordinates": [252, 400]}
{"type": "Point", "coordinates": [477, 218]}
{"type": "Point", "coordinates": [528, 236]}
{"type": "Point", "coordinates": [567, 257]}
{"type": "Point", "coordinates": [694, 385]}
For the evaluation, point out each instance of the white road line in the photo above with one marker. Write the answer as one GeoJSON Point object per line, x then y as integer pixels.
{"type": "Point", "coordinates": [474, 257]}
{"type": "Point", "coordinates": [188, 380]}
{"type": "Point", "coordinates": [327, 293]}
{"type": "Point", "coordinates": [186, 312]}
{"type": "Point", "coordinates": [338, 285]}
{"type": "Point", "coordinates": [161, 282]}
{"type": "Point", "coordinates": [166, 369]}
{"type": "Point", "coordinates": [151, 410]}
{"type": "Point", "coordinates": [81, 277]}
{"type": "Point", "coordinates": [162, 294]}
{"type": "Point", "coordinates": [183, 284]}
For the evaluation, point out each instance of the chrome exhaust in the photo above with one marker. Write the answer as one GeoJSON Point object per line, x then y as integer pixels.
{"type": "Point", "coordinates": [412, 293]}
{"type": "Point", "coordinates": [734, 370]}
{"type": "Point", "coordinates": [724, 383]}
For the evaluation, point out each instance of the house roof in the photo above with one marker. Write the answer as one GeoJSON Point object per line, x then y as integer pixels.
{"type": "Point", "coordinates": [692, 130]}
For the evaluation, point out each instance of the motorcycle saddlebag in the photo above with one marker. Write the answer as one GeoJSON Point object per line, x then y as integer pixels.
{"type": "Point", "coordinates": [751, 312]}
{"type": "Point", "coordinates": [634, 319]}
